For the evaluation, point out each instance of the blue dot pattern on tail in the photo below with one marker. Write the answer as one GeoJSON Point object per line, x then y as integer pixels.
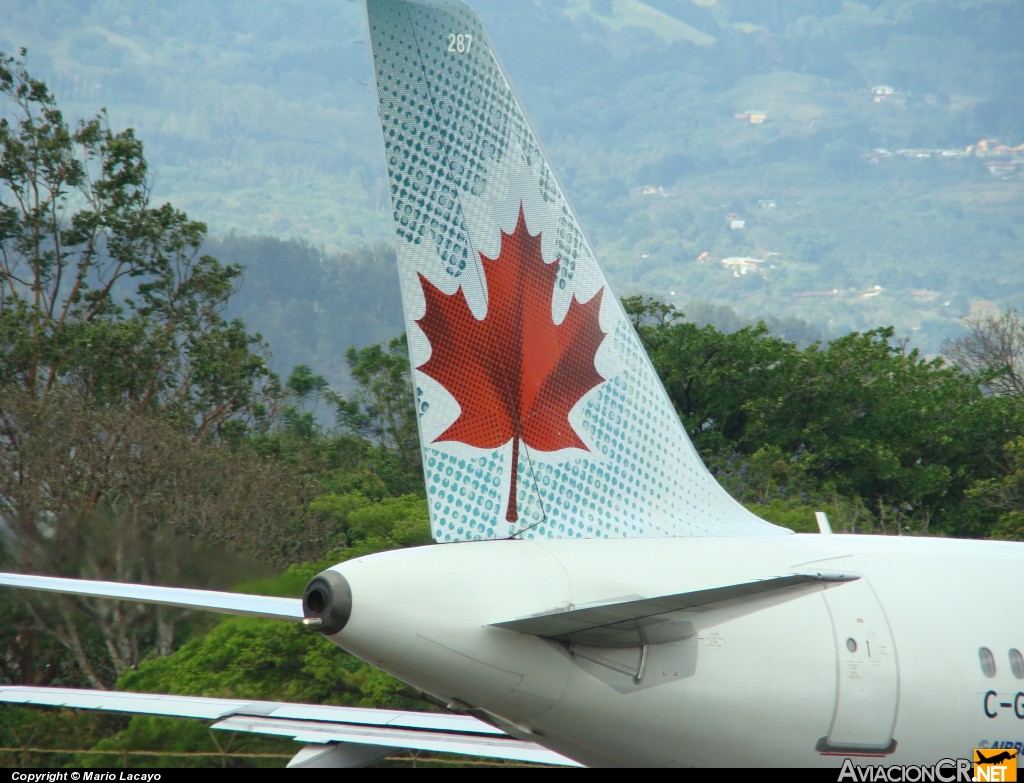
{"type": "Point", "coordinates": [462, 162]}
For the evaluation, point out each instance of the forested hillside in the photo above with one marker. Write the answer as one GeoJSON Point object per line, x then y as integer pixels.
{"type": "Point", "coordinates": [850, 164]}
{"type": "Point", "coordinates": [312, 304]}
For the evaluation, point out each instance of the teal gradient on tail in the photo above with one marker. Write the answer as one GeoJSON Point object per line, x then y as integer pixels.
{"type": "Point", "coordinates": [540, 414]}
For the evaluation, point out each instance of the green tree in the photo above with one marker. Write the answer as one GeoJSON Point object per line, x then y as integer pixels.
{"type": "Point", "coordinates": [123, 392]}
{"type": "Point", "coordinates": [861, 423]}
{"type": "Point", "coordinates": [100, 290]}
{"type": "Point", "coordinates": [880, 421]}
{"type": "Point", "coordinates": [1004, 494]}
{"type": "Point", "coordinates": [711, 376]}
{"type": "Point", "coordinates": [382, 406]}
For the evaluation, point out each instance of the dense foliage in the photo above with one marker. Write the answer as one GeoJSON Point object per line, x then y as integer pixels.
{"type": "Point", "coordinates": [892, 440]}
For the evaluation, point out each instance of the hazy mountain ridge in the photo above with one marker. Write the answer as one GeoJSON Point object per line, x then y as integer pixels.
{"type": "Point", "coordinates": [259, 118]}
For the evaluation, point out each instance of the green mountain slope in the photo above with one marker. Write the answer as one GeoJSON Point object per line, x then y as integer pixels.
{"type": "Point", "coordinates": [844, 137]}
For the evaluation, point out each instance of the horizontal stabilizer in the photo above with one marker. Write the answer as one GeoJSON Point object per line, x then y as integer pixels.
{"type": "Point", "coordinates": [624, 622]}
{"type": "Point", "coordinates": [310, 723]}
{"type": "Point", "coordinates": [209, 600]}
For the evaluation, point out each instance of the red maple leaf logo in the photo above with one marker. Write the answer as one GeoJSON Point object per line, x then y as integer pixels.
{"type": "Point", "coordinates": [516, 374]}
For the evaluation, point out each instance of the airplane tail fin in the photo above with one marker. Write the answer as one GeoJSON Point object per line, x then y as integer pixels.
{"type": "Point", "coordinates": [540, 414]}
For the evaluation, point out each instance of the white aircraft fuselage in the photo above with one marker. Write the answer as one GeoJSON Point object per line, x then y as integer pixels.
{"type": "Point", "coordinates": [883, 669]}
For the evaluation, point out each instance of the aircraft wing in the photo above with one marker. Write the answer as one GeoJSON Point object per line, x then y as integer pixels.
{"type": "Point", "coordinates": [211, 600]}
{"type": "Point", "coordinates": [337, 736]}
{"type": "Point", "coordinates": [630, 621]}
